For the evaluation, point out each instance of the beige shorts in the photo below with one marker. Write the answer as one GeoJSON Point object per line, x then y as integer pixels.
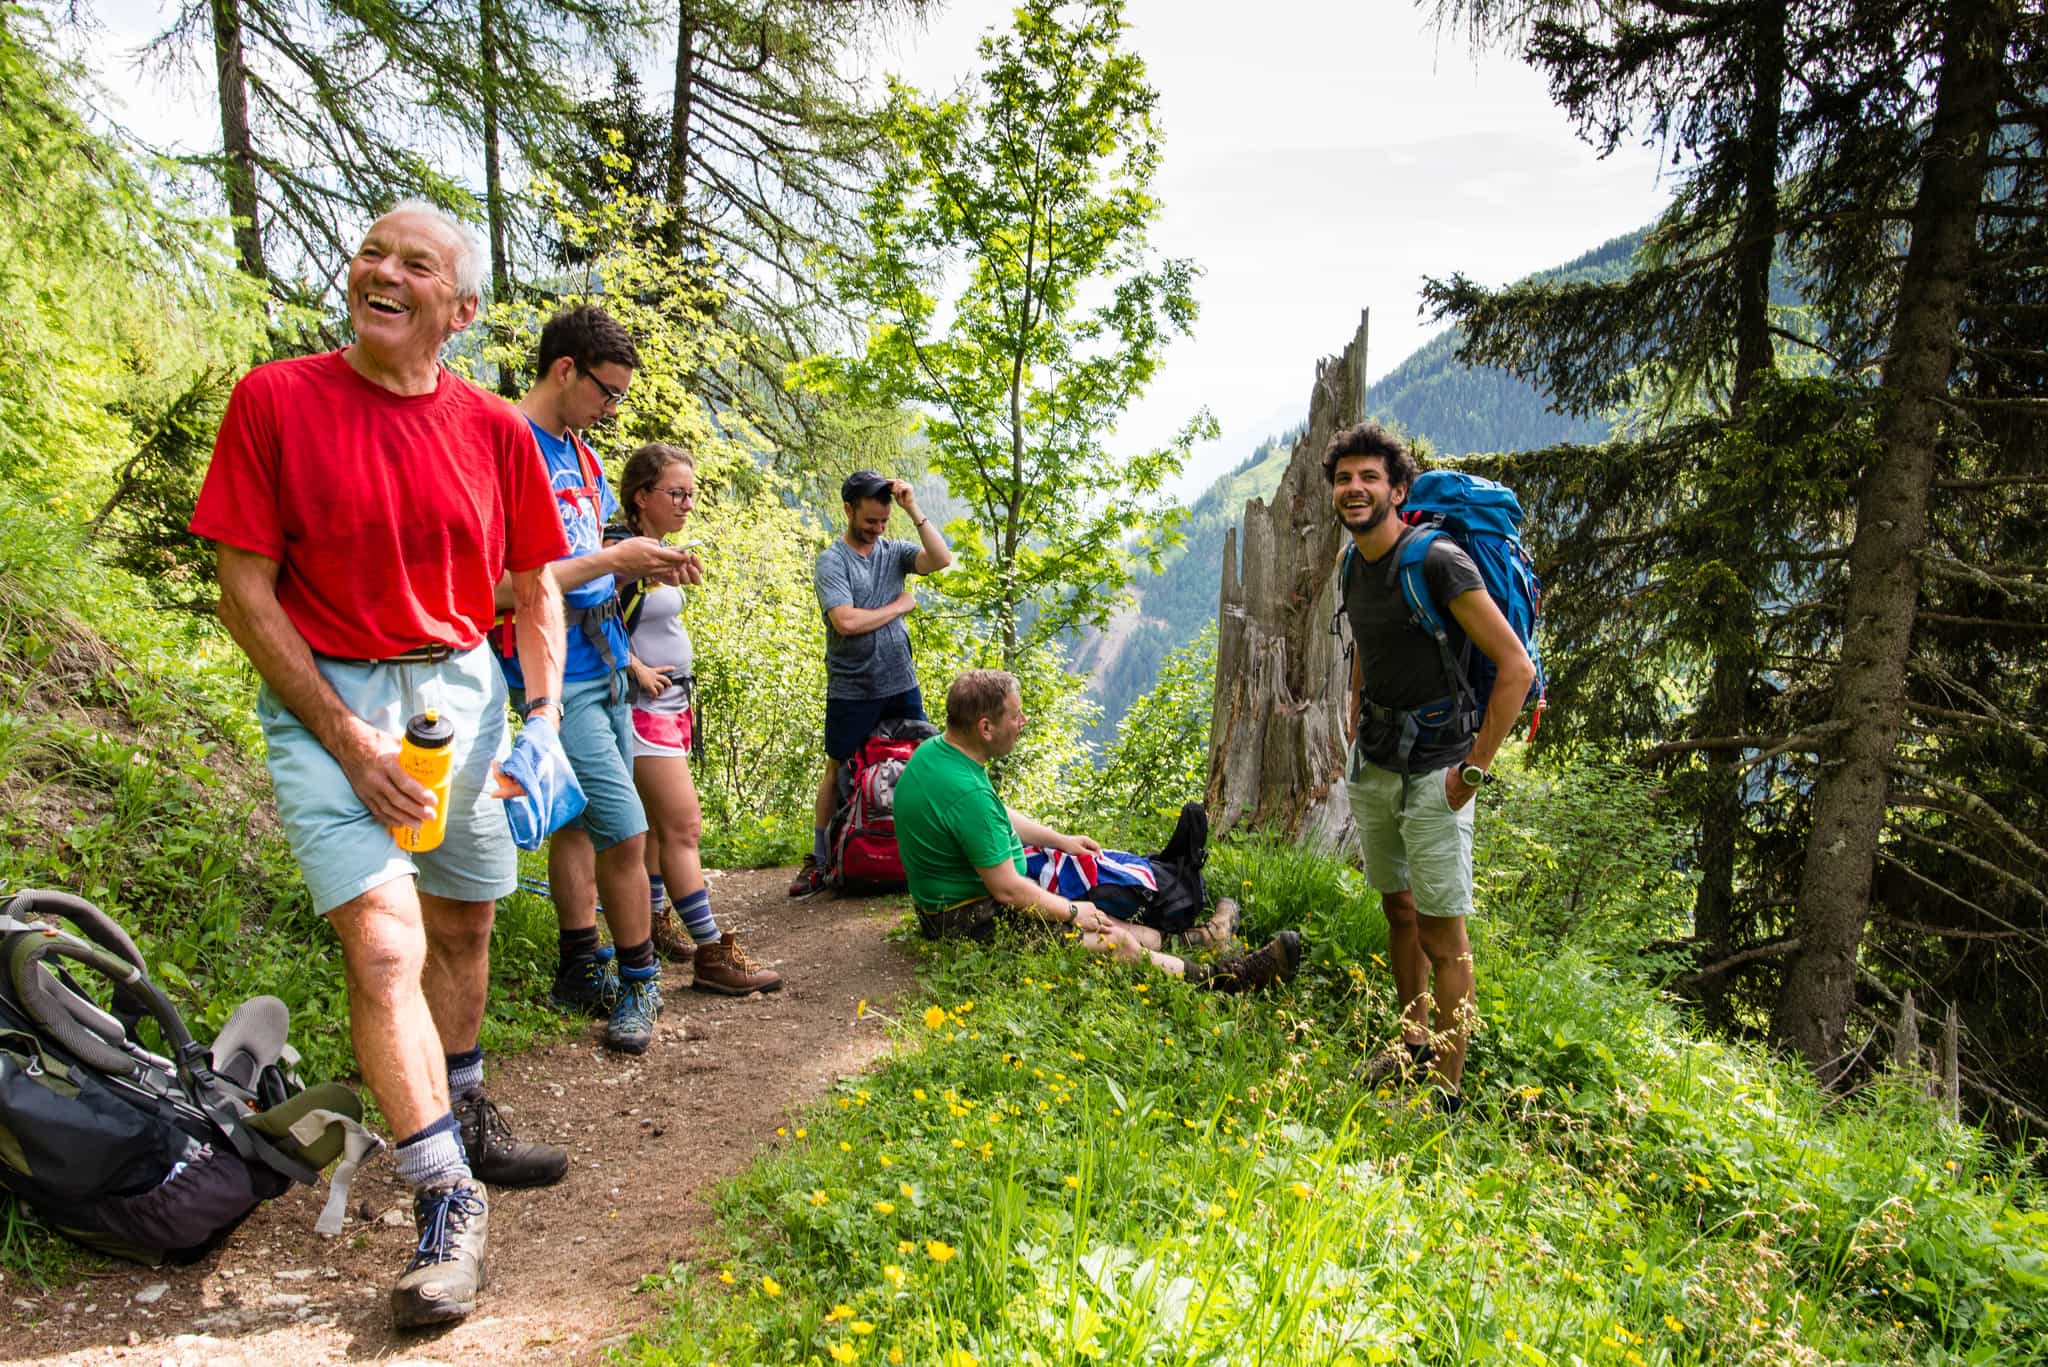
{"type": "Point", "coordinates": [1412, 839]}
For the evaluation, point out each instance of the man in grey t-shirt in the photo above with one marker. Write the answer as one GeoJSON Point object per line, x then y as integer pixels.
{"type": "Point", "coordinates": [868, 671]}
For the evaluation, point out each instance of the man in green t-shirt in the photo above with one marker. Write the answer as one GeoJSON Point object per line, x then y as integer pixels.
{"type": "Point", "coordinates": [963, 850]}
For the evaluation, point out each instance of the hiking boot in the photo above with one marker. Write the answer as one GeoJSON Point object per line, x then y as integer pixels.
{"type": "Point", "coordinates": [1219, 930]}
{"type": "Point", "coordinates": [496, 1158]}
{"type": "Point", "coordinates": [588, 985]}
{"type": "Point", "coordinates": [631, 1027]}
{"type": "Point", "coordinates": [809, 878]}
{"type": "Point", "coordinates": [724, 967]}
{"type": "Point", "coordinates": [1397, 1067]}
{"type": "Point", "coordinates": [1274, 962]}
{"type": "Point", "coordinates": [440, 1284]}
{"type": "Point", "coordinates": [671, 941]}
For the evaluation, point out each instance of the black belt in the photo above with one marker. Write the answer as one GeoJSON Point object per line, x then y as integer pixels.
{"type": "Point", "coordinates": [432, 653]}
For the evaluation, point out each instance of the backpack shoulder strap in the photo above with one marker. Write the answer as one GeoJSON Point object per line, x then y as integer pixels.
{"type": "Point", "coordinates": [1422, 605]}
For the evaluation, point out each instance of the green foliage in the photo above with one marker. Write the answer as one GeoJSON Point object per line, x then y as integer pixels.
{"type": "Point", "coordinates": [1588, 853]}
{"type": "Point", "coordinates": [1069, 1160]}
{"type": "Point", "coordinates": [1036, 190]}
{"type": "Point", "coordinates": [116, 297]}
{"type": "Point", "coordinates": [1160, 757]}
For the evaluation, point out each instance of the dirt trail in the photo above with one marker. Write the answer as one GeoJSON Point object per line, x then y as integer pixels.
{"type": "Point", "coordinates": [648, 1139]}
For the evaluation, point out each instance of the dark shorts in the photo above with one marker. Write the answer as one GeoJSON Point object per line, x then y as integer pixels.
{"type": "Point", "coordinates": [849, 721]}
{"type": "Point", "coordinates": [971, 920]}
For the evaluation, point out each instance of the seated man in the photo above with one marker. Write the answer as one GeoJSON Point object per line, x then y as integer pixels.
{"type": "Point", "coordinates": [963, 849]}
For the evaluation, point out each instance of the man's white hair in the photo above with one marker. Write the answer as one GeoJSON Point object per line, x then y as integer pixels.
{"type": "Point", "coordinates": [469, 248]}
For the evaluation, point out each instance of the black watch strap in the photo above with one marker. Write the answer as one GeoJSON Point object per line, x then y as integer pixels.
{"type": "Point", "coordinates": [1472, 776]}
{"type": "Point", "coordinates": [533, 705]}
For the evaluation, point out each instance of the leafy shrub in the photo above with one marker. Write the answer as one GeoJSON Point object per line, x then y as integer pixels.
{"type": "Point", "coordinates": [1583, 852]}
{"type": "Point", "coordinates": [1160, 757]}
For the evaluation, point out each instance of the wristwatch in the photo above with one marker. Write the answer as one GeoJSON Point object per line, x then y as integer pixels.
{"type": "Point", "coordinates": [534, 705]}
{"type": "Point", "coordinates": [1472, 776]}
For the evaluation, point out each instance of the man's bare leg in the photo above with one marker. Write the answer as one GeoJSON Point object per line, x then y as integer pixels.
{"type": "Point", "coordinates": [572, 878]}
{"type": "Point", "coordinates": [397, 1045]}
{"type": "Point", "coordinates": [1410, 963]}
{"type": "Point", "coordinates": [621, 875]}
{"type": "Point", "coordinates": [457, 976]}
{"type": "Point", "coordinates": [1450, 960]}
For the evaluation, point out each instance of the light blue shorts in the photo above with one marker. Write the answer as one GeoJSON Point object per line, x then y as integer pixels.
{"type": "Point", "coordinates": [1412, 839]}
{"type": "Point", "coordinates": [342, 850]}
{"type": "Point", "coordinates": [597, 735]}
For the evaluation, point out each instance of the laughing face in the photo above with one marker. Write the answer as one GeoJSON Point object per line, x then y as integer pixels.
{"type": "Point", "coordinates": [402, 295]}
{"type": "Point", "coordinates": [1361, 495]}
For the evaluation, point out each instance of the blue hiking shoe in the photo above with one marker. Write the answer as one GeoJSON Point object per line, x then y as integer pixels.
{"type": "Point", "coordinates": [590, 985]}
{"type": "Point", "coordinates": [631, 1027]}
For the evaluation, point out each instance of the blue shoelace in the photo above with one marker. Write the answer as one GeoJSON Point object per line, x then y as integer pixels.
{"type": "Point", "coordinates": [457, 1205]}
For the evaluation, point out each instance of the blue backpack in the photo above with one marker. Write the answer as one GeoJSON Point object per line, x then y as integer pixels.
{"type": "Point", "coordinates": [1484, 518]}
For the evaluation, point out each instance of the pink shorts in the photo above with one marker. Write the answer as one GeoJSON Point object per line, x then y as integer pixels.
{"type": "Point", "coordinates": [662, 735]}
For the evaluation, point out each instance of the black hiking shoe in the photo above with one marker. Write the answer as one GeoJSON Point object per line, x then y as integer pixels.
{"type": "Point", "coordinates": [1274, 962]}
{"type": "Point", "coordinates": [496, 1157]}
{"type": "Point", "coordinates": [440, 1284]}
{"type": "Point", "coordinates": [590, 985]}
{"type": "Point", "coordinates": [1400, 1066]}
{"type": "Point", "coordinates": [810, 878]}
{"type": "Point", "coordinates": [631, 1027]}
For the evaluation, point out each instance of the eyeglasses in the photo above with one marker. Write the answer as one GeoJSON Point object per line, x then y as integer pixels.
{"type": "Point", "coordinates": [612, 397]}
{"type": "Point", "coordinates": [679, 496]}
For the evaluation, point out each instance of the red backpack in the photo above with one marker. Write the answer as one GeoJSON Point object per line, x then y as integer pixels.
{"type": "Point", "coordinates": [863, 835]}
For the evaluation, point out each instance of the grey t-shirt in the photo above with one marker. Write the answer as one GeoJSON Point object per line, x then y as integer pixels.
{"type": "Point", "coordinates": [875, 664]}
{"type": "Point", "coordinates": [1397, 659]}
{"type": "Point", "coordinates": [661, 641]}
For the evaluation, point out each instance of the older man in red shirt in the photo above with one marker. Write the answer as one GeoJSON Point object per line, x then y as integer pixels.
{"type": "Point", "coordinates": [365, 503]}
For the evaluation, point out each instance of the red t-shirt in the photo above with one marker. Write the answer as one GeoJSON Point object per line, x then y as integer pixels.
{"type": "Point", "coordinates": [391, 517]}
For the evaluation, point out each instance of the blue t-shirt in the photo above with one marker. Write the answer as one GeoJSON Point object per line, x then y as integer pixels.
{"type": "Point", "coordinates": [585, 508]}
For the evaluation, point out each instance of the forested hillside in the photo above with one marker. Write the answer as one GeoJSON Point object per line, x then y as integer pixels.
{"type": "Point", "coordinates": [1456, 408]}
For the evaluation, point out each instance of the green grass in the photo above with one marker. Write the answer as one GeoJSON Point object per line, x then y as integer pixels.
{"type": "Point", "coordinates": [1067, 1161]}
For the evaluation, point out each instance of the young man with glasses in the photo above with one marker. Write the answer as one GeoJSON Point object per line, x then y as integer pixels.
{"type": "Point", "coordinates": [366, 503]}
{"type": "Point", "coordinates": [584, 367]}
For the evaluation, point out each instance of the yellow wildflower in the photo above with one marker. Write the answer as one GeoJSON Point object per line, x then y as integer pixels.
{"type": "Point", "coordinates": [893, 1275]}
{"type": "Point", "coordinates": [1073, 1182]}
{"type": "Point", "coordinates": [885, 1207]}
{"type": "Point", "coordinates": [841, 1311]}
{"type": "Point", "coordinates": [819, 1198]}
{"type": "Point", "coordinates": [940, 1251]}
{"type": "Point", "coordinates": [843, 1352]}
{"type": "Point", "coordinates": [861, 1327]}
{"type": "Point", "coordinates": [726, 1276]}
{"type": "Point", "coordinates": [934, 1017]}
{"type": "Point", "coordinates": [771, 1286]}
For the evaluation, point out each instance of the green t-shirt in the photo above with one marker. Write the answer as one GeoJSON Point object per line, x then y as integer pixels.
{"type": "Point", "coordinates": [949, 822]}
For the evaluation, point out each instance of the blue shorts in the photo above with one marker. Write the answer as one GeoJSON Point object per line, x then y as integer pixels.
{"type": "Point", "coordinates": [342, 850]}
{"type": "Point", "coordinates": [597, 736]}
{"type": "Point", "coordinates": [850, 721]}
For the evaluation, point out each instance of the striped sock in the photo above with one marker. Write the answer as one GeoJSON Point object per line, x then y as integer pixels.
{"type": "Point", "coordinates": [657, 893]}
{"type": "Point", "coordinates": [465, 1073]}
{"type": "Point", "coordinates": [695, 911]}
{"type": "Point", "coordinates": [433, 1157]}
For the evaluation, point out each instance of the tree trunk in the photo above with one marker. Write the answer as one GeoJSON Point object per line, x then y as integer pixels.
{"type": "Point", "coordinates": [488, 20]}
{"type": "Point", "coordinates": [679, 126]}
{"type": "Point", "coordinates": [1276, 736]}
{"type": "Point", "coordinates": [1732, 686]}
{"type": "Point", "coordinates": [1819, 985]}
{"type": "Point", "coordinates": [231, 75]}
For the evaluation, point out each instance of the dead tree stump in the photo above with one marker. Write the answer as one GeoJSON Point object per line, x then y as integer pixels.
{"type": "Point", "coordinates": [1276, 735]}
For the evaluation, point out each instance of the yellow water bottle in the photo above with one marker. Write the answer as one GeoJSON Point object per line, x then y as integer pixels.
{"type": "Point", "coordinates": [427, 755]}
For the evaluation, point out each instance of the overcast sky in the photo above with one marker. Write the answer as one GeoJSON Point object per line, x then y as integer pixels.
{"type": "Point", "coordinates": [1321, 157]}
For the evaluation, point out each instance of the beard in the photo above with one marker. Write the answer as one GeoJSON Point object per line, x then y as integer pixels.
{"type": "Point", "coordinates": [1358, 522]}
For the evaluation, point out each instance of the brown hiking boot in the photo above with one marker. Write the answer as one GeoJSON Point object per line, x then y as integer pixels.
{"type": "Point", "coordinates": [724, 967]}
{"type": "Point", "coordinates": [1275, 962]}
{"type": "Point", "coordinates": [810, 878]}
{"type": "Point", "coordinates": [671, 941]}
{"type": "Point", "coordinates": [1219, 930]}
